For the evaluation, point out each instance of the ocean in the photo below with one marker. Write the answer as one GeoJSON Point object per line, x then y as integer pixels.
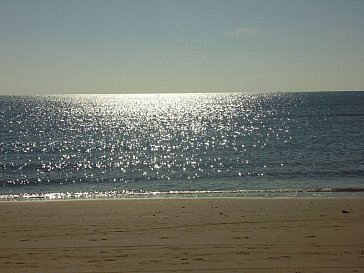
{"type": "Point", "coordinates": [181, 145]}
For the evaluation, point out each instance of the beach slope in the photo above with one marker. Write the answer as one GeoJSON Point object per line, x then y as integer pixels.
{"type": "Point", "coordinates": [183, 235]}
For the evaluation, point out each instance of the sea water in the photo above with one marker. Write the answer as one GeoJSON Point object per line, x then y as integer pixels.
{"type": "Point", "coordinates": [81, 146]}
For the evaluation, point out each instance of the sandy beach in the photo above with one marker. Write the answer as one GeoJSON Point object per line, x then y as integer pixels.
{"type": "Point", "coordinates": [183, 235]}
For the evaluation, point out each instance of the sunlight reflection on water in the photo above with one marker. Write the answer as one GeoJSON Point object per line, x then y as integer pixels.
{"type": "Point", "coordinates": [166, 141]}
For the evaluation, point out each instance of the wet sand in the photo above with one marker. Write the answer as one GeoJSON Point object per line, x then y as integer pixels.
{"type": "Point", "coordinates": [183, 235]}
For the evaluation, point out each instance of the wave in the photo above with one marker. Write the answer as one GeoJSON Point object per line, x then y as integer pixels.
{"type": "Point", "coordinates": [124, 194]}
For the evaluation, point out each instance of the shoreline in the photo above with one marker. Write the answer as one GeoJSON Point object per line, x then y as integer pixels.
{"type": "Point", "coordinates": [187, 194]}
{"type": "Point", "coordinates": [132, 199]}
{"type": "Point", "coordinates": [193, 235]}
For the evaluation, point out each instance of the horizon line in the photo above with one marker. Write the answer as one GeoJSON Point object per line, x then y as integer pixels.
{"type": "Point", "coordinates": [46, 93]}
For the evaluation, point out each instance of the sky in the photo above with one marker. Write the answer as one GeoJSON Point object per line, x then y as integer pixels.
{"type": "Point", "coordinates": [149, 46]}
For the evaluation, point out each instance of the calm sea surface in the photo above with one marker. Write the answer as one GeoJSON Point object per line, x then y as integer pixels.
{"type": "Point", "coordinates": [116, 145]}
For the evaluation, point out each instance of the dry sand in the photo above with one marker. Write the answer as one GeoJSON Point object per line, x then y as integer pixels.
{"type": "Point", "coordinates": [183, 235]}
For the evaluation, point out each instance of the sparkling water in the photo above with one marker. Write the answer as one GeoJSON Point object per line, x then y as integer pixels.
{"type": "Point", "coordinates": [112, 145]}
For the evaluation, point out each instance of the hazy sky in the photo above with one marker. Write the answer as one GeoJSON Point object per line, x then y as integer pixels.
{"type": "Point", "coordinates": [110, 46]}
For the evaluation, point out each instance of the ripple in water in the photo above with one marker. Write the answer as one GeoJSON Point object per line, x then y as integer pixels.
{"type": "Point", "coordinates": [174, 142]}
